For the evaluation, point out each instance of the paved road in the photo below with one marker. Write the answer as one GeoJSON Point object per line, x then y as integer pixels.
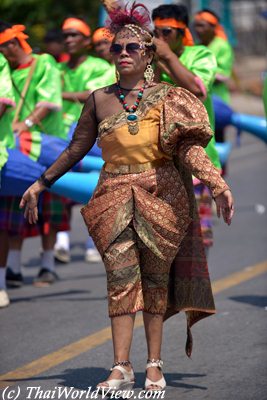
{"type": "Point", "coordinates": [229, 359]}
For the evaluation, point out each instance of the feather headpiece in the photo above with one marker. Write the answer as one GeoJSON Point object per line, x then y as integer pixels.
{"type": "Point", "coordinates": [121, 15]}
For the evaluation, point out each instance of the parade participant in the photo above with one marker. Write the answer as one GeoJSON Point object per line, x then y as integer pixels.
{"type": "Point", "coordinates": [37, 90]}
{"type": "Point", "coordinates": [7, 100]}
{"type": "Point", "coordinates": [142, 214]}
{"type": "Point", "coordinates": [102, 39]}
{"type": "Point", "coordinates": [211, 34]}
{"type": "Point", "coordinates": [80, 75]}
{"type": "Point", "coordinates": [54, 45]}
{"type": "Point", "coordinates": [192, 67]}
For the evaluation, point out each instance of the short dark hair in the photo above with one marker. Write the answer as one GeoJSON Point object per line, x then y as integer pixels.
{"type": "Point", "coordinates": [176, 11]}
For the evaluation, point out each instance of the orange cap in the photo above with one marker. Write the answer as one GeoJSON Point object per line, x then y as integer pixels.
{"type": "Point", "coordinates": [211, 19]}
{"type": "Point", "coordinates": [16, 32]}
{"type": "Point", "coordinates": [102, 34]}
{"type": "Point", "coordinates": [173, 23]}
{"type": "Point", "coordinates": [78, 25]}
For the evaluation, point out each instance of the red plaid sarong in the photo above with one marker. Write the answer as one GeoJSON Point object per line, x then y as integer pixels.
{"type": "Point", "coordinates": [54, 211]}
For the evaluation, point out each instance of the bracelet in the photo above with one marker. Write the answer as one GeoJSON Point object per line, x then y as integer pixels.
{"type": "Point", "coordinates": [45, 181]}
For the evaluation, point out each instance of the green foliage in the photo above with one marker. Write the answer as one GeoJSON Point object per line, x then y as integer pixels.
{"type": "Point", "coordinates": [41, 15]}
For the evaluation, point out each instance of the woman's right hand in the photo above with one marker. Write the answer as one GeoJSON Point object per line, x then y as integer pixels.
{"type": "Point", "coordinates": [30, 201]}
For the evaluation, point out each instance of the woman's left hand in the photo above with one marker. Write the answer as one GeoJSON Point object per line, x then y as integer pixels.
{"type": "Point", "coordinates": [225, 206]}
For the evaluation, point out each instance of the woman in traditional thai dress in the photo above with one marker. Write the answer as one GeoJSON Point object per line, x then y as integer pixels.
{"type": "Point", "coordinates": [142, 215]}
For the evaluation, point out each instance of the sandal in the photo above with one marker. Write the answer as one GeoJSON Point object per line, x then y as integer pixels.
{"type": "Point", "coordinates": [161, 383]}
{"type": "Point", "coordinates": [126, 383]}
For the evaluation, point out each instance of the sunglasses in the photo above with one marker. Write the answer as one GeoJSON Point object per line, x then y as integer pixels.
{"type": "Point", "coordinates": [164, 31]}
{"type": "Point", "coordinates": [130, 48]}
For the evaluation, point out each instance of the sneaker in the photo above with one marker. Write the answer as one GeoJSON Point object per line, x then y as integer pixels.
{"type": "Point", "coordinates": [45, 278]}
{"type": "Point", "coordinates": [4, 299]}
{"type": "Point", "coordinates": [13, 280]}
{"type": "Point", "coordinates": [92, 255]}
{"type": "Point", "coordinates": [62, 255]}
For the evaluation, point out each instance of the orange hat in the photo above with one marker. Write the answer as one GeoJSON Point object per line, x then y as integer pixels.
{"type": "Point", "coordinates": [16, 32]}
{"type": "Point", "coordinates": [78, 25]}
{"type": "Point", "coordinates": [211, 19]}
{"type": "Point", "coordinates": [102, 34]}
{"type": "Point", "coordinates": [173, 23]}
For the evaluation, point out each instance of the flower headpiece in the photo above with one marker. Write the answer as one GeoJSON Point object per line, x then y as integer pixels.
{"type": "Point", "coordinates": [136, 18]}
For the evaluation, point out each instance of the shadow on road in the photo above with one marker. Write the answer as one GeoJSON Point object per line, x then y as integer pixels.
{"type": "Point", "coordinates": [82, 378]}
{"type": "Point", "coordinates": [259, 301]}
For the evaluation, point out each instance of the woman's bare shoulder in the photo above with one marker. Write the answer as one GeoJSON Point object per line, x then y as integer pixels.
{"type": "Point", "coordinates": [104, 92]}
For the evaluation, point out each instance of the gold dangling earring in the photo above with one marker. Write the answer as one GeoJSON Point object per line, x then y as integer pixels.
{"type": "Point", "coordinates": [117, 76]}
{"type": "Point", "coordinates": [149, 74]}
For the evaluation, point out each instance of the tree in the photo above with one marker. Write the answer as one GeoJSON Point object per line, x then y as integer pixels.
{"type": "Point", "coordinates": [39, 16]}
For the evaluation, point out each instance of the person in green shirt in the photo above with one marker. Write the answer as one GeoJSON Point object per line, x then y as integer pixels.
{"type": "Point", "coordinates": [37, 91]}
{"type": "Point", "coordinates": [192, 67]}
{"type": "Point", "coordinates": [211, 34]}
{"type": "Point", "coordinates": [7, 101]}
{"type": "Point", "coordinates": [102, 39]}
{"type": "Point", "coordinates": [82, 74]}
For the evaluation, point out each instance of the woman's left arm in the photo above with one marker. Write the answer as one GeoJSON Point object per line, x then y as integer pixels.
{"type": "Point", "coordinates": [185, 131]}
{"type": "Point", "coordinates": [196, 160]}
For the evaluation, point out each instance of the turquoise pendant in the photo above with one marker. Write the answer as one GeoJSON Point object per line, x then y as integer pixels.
{"type": "Point", "coordinates": [132, 121]}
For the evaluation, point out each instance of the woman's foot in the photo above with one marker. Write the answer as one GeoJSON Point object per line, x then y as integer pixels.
{"type": "Point", "coordinates": [121, 377]}
{"type": "Point", "coordinates": [154, 377]}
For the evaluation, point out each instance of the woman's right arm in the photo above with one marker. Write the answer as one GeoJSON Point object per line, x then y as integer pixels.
{"type": "Point", "coordinates": [83, 140]}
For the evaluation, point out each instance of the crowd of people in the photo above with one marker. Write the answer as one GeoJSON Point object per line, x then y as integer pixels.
{"type": "Point", "coordinates": [142, 219]}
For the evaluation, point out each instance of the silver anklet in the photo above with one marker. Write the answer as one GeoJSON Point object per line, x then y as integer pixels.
{"type": "Point", "coordinates": [124, 363]}
{"type": "Point", "coordinates": [158, 362]}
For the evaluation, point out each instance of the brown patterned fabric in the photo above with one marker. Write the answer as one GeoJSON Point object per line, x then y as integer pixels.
{"type": "Point", "coordinates": [155, 204]}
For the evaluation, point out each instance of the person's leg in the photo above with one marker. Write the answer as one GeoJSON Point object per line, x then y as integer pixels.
{"type": "Point", "coordinates": [47, 274]}
{"type": "Point", "coordinates": [12, 222]}
{"type": "Point", "coordinates": [54, 218]}
{"type": "Point", "coordinates": [122, 334]}
{"type": "Point", "coordinates": [204, 205]}
{"type": "Point", "coordinates": [3, 248]}
{"type": "Point", "coordinates": [155, 277]}
{"type": "Point", "coordinates": [62, 247]}
{"type": "Point", "coordinates": [48, 243]}
{"type": "Point", "coordinates": [124, 294]}
{"type": "Point", "coordinates": [91, 253]}
{"type": "Point", "coordinates": [14, 276]}
{"type": "Point", "coordinates": [4, 300]}
{"type": "Point", "coordinates": [153, 327]}
{"type": "Point", "coordinates": [3, 258]}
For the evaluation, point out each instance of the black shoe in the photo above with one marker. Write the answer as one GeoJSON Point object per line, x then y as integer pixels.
{"type": "Point", "coordinates": [13, 280]}
{"type": "Point", "coordinates": [45, 278]}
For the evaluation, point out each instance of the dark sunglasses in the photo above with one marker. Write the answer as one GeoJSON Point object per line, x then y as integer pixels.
{"type": "Point", "coordinates": [165, 31]}
{"type": "Point", "coordinates": [131, 48]}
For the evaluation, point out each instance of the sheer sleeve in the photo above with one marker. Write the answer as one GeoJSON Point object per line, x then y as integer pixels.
{"type": "Point", "coordinates": [185, 130]}
{"type": "Point", "coordinates": [82, 141]}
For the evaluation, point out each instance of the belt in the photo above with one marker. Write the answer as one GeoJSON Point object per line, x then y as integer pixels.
{"type": "Point", "coordinates": [133, 168]}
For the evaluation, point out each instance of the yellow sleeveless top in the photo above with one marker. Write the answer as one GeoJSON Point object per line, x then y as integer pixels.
{"type": "Point", "coordinates": [120, 147]}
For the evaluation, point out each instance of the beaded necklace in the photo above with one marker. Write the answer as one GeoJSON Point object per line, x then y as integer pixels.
{"type": "Point", "coordinates": [131, 118]}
